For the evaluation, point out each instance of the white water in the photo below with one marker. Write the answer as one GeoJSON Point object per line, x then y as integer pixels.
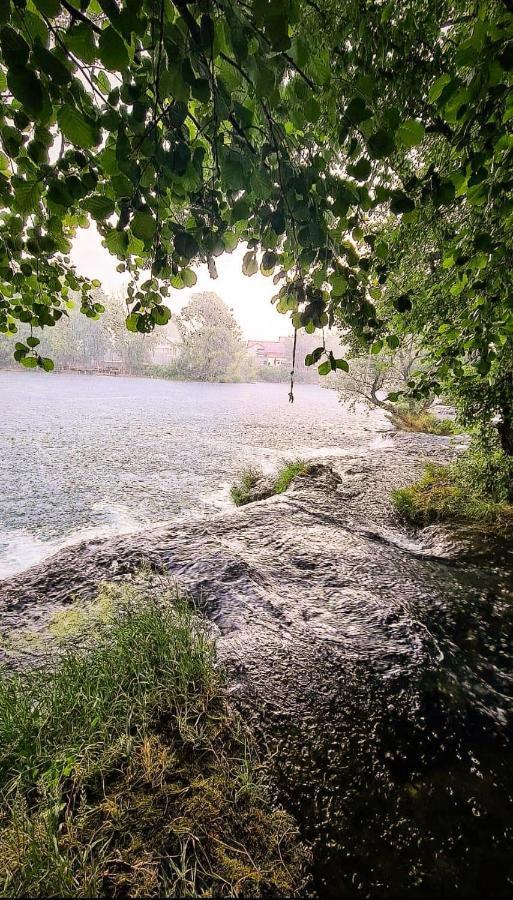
{"type": "Point", "coordinates": [84, 456]}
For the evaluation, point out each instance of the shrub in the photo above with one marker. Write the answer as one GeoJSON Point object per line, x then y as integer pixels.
{"type": "Point", "coordinates": [455, 493]}
{"type": "Point", "coordinates": [287, 474]}
{"type": "Point", "coordinates": [242, 491]}
{"type": "Point", "coordinates": [424, 422]}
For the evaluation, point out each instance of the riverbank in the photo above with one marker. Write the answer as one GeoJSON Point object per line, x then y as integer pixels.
{"type": "Point", "coordinates": [125, 771]}
{"type": "Point", "coordinates": [375, 667]}
{"type": "Point", "coordinates": [267, 376]}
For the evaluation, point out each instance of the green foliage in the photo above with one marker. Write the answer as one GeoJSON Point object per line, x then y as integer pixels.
{"type": "Point", "coordinates": [364, 161]}
{"type": "Point", "coordinates": [477, 488]}
{"type": "Point", "coordinates": [423, 422]}
{"type": "Point", "coordinates": [286, 475]}
{"type": "Point", "coordinates": [242, 492]}
{"type": "Point", "coordinates": [254, 485]}
{"type": "Point", "coordinates": [123, 771]}
{"type": "Point", "coordinates": [97, 339]}
{"type": "Point", "coordinates": [213, 349]}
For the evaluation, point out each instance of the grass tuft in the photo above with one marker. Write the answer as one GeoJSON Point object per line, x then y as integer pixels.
{"type": "Point", "coordinates": [286, 475]}
{"type": "Point", "coordinates": [243, 491]}
{"type": "Point", "coordinates": [445, 494]}
{"type": "Point", "coordinates": [124, 772]}
{"type": "Point", "coordinates": [425, 423]}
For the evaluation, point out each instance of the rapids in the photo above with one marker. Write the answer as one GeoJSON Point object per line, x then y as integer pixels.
{"type": "Point", "coordinates": [375, 665]}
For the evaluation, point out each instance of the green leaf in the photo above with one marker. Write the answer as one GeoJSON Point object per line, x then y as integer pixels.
{"type": "Point", "coordinates": [30, 362]}
{"type": "Point", "coordinates": [26, 87]}
{"type": "Point", "coordinates": [143, 226]}
{"type": "Point", "coordinates": [59, 194]}
{"type": "Point", "coordinates": [186, 245]}
{"type": "Point", "coordinates": [79, 130]}
{"type": "Point", "coordinates": [131, 322]}
{"type": "Point", "coordinates": [381, 144]}
{"type": "Point", "coordinates": [249, 263]}
{"type": "Point", "coordinates": [276, 28]}
{"type": "Point", "coordinates": [438, 86]}
{"type": "Point", "coordinates": [324, 368]}
{"type": "Point", "coordinates": [80, 40]}
{"type": "Point", "coordinates": [338, 284]}
{"type": "Point", "coordinates": [357, 111]}
{"type": "Point", "coordinates": [14, 47]}
{"type": "Point", "coordinates": [49, 64]}
{"type": "Point", "coordinates": [401, 203]}
{"type": "Point", "coordinates": [361, 170]}
{"type": "Point", "coordinates": [269, 260]}
{"type": "Point", "coordinates": [99, 206]}
{"type": "Point", "coordinates": [312, 110]}
{"type": "Point", "coordinates": [314, 356]}
{"type": "Point", "coordinates": [410, 133]}
{"type": "Point", "coordinates": [189, 277]}
{"type": "Point", "coordinates": [113, 50]}
{"type": "Point", "coordinates": [116, 242]}
{"type": "Point", "coordinates": [200, 89]}
{"type": "Point", "coordinates": [161, 314]}
{"type": "Point", "coordinates": [46, 363]}
{"type": "Point", "coordinates": [27, 195]}
{"type": "Point", "coordinates": [342, 364]}
{"type": "Point", "coordinates": [49, 8]}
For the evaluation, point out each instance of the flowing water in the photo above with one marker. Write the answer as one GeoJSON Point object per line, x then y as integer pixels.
{"type": "Point", "coordinates": [375, 664]}
{"type": "Point", "coordinates": [85, 456]}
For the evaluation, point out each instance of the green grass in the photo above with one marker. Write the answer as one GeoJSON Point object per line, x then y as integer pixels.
{"type": "Point", "coordinates": [426, 423]}
{"type": "Point", "coordinates": [243, 491]}
{"type": "Point", "coordinates": [448, 494]}
{"type": "Point", "coordinates": [286, 475]}
{"type": "Point", "coordinates": [124, 771]}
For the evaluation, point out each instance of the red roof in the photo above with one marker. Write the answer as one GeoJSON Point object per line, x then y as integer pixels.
{"type": "Point", "coordinates": [269, 348]}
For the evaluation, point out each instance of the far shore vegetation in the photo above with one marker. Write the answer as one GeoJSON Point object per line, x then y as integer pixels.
{"type": "Point", "coordinates": [124, 771]}
{"type": "Point", "coordinates": [252, 484]}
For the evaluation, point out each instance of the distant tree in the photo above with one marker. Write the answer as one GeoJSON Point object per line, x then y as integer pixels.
{"type": "Point", "coordinates": [90, 341]}
{"type": "Point", "coordinates": [134, 349]}
{"type": "Point", "coordinates": [213, 346]}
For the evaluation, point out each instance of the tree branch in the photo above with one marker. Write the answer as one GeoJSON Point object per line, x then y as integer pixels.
{"type": "Point", "coordinates": [77, 14]}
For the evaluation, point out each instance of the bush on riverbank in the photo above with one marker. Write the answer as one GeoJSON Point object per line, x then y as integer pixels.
{"type": "Point", "coordinates": [247, 489]}
{"type": "Point", "coordinates": [123, 771]}
{"type": "Point", "coordinates": [425, 423]}
{"type": "Point", "coordinates": [477, 488]}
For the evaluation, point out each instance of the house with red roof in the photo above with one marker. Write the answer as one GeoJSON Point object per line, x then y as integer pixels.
{"type": "Point", "coordinates": [269, 353]}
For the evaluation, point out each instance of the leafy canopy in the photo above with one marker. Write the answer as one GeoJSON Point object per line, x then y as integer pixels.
{"type": "Point", "coordinates": [295, 126]}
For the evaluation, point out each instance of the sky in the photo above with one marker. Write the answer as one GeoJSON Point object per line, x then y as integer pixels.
{"type": "Point", "coordinates": [249, 298]}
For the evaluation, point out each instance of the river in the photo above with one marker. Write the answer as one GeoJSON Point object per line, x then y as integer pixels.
{"type": "Point", "coordinates": [376, 665]}
{"type": "Point", "coordinates": [87, 456]}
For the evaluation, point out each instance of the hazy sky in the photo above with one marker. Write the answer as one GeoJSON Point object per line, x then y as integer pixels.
{"type": "Point", "coordinates": [250, 298]}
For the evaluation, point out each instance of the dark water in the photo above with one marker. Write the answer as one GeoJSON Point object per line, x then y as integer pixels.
{"type": "Point", "coordinates": [377, 666]}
